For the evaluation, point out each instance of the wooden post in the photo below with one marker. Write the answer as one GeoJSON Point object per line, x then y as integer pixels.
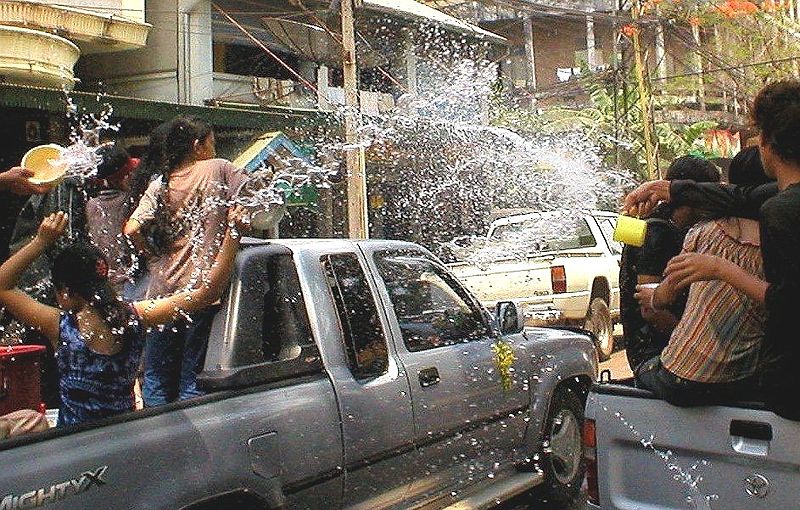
{"type": "Point", "coordinates": [356, 176]}
{"type": "Point", "coordinates": [644, 97]}
{"type": "Point", "coordinates": [530, 52]}
{"type": "Point", "coordinates": [701, 86]}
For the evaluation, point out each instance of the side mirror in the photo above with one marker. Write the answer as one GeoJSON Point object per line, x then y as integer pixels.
{"type": "Point", "coordinates": [508, 318]}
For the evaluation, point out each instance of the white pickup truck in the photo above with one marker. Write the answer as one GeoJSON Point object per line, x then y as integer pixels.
{"type": "Point", "coordinates": [558, 268]}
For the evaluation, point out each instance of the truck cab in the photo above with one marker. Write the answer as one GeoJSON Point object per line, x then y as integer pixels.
{"type": "Point", "coordinates": [558, 267]}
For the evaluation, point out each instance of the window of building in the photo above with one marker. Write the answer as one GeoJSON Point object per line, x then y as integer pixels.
{"type": "Point", "coordinates": [432, 308]}
{"type": "Point", "coordinates": [364, 338]}
{"type": "Point", "coordinates": [246, 60]}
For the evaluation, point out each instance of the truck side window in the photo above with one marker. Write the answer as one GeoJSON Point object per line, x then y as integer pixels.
{"type": "Point", "coordinates": [607, 227]}
{"type": "Point", "coordinates": [284, 327]}
{"type": "Point", "coordinates": [364, 338]}
{"type": "Point", "coordinates": [432, 309]}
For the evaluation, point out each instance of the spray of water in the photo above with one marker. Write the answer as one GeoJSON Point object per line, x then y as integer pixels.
{"type": "Point", "coordinates": [691, 478]}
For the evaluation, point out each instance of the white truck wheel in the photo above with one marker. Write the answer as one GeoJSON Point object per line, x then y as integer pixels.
{"type": "Point", "coordinates": [598, 321]}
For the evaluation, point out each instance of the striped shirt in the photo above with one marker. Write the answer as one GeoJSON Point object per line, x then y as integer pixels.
{"type": "Point", "coordinates": [719, 337]}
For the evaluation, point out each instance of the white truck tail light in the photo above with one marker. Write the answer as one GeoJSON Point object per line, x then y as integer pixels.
{"type": "Point", "coordinates": [590, 460]}
{"type": "Point", "coordinates": [558, 277]}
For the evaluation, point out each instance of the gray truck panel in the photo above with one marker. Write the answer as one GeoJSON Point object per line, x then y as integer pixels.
{"type": "Point", "coordinates": [177, 456]}
{"type": "Point", "coordinates": [717, 456]}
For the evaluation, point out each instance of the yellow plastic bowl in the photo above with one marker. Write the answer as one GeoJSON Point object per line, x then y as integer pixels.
{"type": "Point", "coordinates": [45, 163]}
{"type": "Point", "coordinates": [630, 231]}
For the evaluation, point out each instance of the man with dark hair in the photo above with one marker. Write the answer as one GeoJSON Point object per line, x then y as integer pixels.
{"type": "Point", "coordinates": [776, 113]}
{"type": "Point", "coordinates": [647, 332]}
{"type": "Point", "coordinates": [105, 216]}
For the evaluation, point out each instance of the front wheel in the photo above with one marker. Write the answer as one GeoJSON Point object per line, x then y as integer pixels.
{"type": "Point", "coordinates": [562, 451]}
{"type": "Point", "coordinates": [598, 321]}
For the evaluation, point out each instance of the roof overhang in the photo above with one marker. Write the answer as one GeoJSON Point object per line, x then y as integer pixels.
{"type": "Point", "coordinates": [94, 32]}
{"type": "Point", "coordinates": [419, 12]}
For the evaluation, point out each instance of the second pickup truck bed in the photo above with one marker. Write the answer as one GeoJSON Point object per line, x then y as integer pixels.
{"type": "Point", "coordinates": [651, 455]}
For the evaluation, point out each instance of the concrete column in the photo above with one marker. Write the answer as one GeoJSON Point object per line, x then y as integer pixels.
{"type": "Point", "coordinates": [530, 52]}
{"type": "Point", "coordinates": [701, 86]}
{"type": "Point", "coordinates": [591, 47]}
{"type": "Point", "coordinates": [410, 52]}
{"type": "Point", "coordinates": [661, 53]}
{"type": "Point", "coordinates": [195, 52]}
{"type": "Point", "coordinates": [322, 88]}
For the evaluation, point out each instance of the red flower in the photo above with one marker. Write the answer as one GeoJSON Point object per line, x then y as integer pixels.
{"type": "Point", "coordinates": [629, 30]}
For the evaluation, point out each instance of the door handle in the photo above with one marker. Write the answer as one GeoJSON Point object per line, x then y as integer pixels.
{"type": "Point", "coordinates": [429, 377]}
{"type": "Point", "coordinates": [751, 437]}
{"type": "Point", "coordinates": [751, 430]}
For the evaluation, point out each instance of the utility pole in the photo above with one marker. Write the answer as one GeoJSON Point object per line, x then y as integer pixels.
{"type": "Point", "coordinates": [644, 96]}
{"type": "Point", "coordinates": [357, 227]}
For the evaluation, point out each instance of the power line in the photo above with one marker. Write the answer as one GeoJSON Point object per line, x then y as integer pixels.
{"type": "Point", "coordinates": [730, 68]}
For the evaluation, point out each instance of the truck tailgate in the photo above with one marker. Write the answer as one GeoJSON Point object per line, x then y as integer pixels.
{"type": "Point", "coordinates": [511, 280]}
{"type": "Point", "coordinates": [652, 455]}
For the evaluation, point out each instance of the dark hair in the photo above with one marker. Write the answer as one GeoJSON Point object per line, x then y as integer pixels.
{"type": "Point", "coordinates": [692, 168]}
{"type": "Point", "coordinates": [746, 168]}
{"type": "Point", "coordinates": [81, 268]}
{"type": "Point", "coordinates": [114, 159]}
{"type": "Point", "coordinates": [776, 113]}
{"type": "Point", "coordinates": [183, 133]}
{"type": "Point", "coordinates": [152, 164]}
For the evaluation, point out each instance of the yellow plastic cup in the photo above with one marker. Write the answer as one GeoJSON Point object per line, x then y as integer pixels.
{"type": "Point", "coordinates": [45, 163]}
{"type": "Point", "coordinates": [630, 231]}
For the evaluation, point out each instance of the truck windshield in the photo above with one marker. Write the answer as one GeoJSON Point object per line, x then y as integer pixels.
{"type": "Point", "coordinates": [546, 234]}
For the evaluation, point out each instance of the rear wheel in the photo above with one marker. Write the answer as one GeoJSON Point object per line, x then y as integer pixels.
{"type": "Point", "coordinates": [562, 450]}
{"type": "Point", "coordinates": [598, 321]}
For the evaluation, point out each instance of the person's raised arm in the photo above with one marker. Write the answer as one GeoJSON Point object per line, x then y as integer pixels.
{"type": "Point", "coordinates": [160, 311]}
{"type": "Point", "coordinates": [715, 199]}
{"type": "Point", "coordinates": [688, 268]}
{"type": "Point", "coordinates": [17, 181]}
{"type": "Point", "coordinates": [24, 308]}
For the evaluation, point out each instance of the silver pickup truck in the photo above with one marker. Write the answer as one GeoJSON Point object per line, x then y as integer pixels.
{"type": "Point", "coordinates": [643, 453]}
{"type": "Point", "coordinates": [339, 374]}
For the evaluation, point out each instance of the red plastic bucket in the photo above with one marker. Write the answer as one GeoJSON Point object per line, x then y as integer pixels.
{"type": "Point", "coordinates": [20, 377]}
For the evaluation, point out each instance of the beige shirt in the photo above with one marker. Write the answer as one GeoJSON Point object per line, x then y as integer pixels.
{"type": "Point", "coordinates": [193, 213]}
{"type": "Point", "coordinates": [105, 217]}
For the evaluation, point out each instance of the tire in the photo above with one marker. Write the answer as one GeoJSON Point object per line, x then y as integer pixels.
{"type": "Point", "coordinates": [598, 321]}
{"type": "Point", "coordinates": [562, 451]}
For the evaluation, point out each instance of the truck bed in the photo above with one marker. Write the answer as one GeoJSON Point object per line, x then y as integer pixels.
{"type": "Point", "coordinates": [654, 456]}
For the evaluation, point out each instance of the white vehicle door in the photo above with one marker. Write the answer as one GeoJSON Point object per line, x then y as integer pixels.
{"type": "Point", "coordinates": [607, 223]}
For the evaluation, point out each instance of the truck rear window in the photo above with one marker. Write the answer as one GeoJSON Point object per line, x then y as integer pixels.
{"type": "Point", "coordinates": [364, 338]}
{"type": "Point", "coordinates": [547, 234]}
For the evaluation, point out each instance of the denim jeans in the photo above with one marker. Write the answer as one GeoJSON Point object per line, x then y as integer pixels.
{"type": "Point", "coordinates": [651, 375]}
{"type": "Point", "coordinates": [173, 356]}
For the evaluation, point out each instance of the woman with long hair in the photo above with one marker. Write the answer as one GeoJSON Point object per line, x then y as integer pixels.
{"type": "Point", "coordinates": [98, 337]}
{"type": "Point", "coordinates": [184, 210]}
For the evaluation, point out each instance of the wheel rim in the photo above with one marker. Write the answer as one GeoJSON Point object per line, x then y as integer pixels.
{"type": "Point", "coordinates": [565, 446]}
{"type": "Point", "coordinates": [600, 325]}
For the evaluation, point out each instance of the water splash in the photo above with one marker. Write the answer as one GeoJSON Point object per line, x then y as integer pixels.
{"type": "Point", "coordinates": [690, 478]}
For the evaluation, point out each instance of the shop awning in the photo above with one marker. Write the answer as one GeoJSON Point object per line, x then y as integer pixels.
{"type": "Point", "coordinates": [274, 149]}
{"type": "Point", "coordinates": [54, 100]}
{"type": "Point", "coordinates": [421, 13]}
{"type": "Point", "coordinates": [268, 148]}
